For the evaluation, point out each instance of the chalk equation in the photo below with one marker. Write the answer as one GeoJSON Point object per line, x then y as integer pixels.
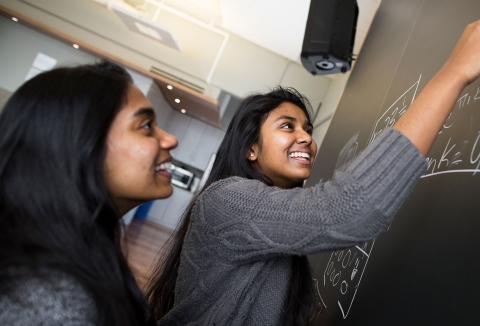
{"type": "Point", "coordinates": [348, 153]}
{"type": "Point", "coordinates": [395, 111]}
{"type": "Point", "coordinates": [465, 102]}
{"type": "Point", "coordinates": [345, 268]}
{"type": "Point", "coordinates": [345, 258]}
{"type": "Point", "coordinates": [453, 154]}
{"type": "Point", "coordinates": [458, 152]}
{"type": "Point", "coordinates": [343, 274]}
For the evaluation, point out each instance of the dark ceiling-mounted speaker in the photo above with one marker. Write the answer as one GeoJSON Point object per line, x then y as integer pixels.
{"type": "Point", "coordinates": [329, 36]}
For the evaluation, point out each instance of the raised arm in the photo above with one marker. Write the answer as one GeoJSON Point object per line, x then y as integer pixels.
{"type": "Point", "coordinates": [421, 123]}
{"type": "Point", "coordinates": [252, 220]}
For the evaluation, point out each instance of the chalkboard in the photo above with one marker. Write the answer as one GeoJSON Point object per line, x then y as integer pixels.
{"type": "Point", "coordinates": [425, 270]}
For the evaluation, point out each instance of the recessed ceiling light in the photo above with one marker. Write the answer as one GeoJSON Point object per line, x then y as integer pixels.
{"type": "Point", "coordinates": [170, 87]}
{"type": "Point", "coordinates": [76, 46]}
{"type": "Point", "coordinates": [177, 100]}
{"type": "Point", "coordinates": [183, 111]}
{"type": "Point", "coordinates": [15, 19]}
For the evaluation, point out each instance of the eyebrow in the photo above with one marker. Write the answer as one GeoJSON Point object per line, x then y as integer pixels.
{"type": "Point", "coordinates": [290, 118]}
{"type": "Point", "coordinates": [147, 111]}
{"type": "Point", "coordinates": [287, 117]}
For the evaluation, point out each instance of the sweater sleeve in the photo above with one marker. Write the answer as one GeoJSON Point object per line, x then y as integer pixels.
{"type": "Point", "coordinates": [54, 300]}
{"type": "Point", "coordinates": [252, 220]}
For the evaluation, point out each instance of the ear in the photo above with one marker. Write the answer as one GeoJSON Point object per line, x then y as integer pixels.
{"type": "Point", "coordinates": [252, 155]}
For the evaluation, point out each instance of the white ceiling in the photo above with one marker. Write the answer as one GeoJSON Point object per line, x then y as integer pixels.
{"type": "Point", "coordinates": [221, 43]}
{"type": "Point", "coordinates": [277, 25]}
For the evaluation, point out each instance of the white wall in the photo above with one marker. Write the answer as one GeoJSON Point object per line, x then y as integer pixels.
{"type": "Point", "coordinates": [313, 87]}
{"type": "Point", "coordinates": [329, 106]}
{"type": "Point", "coordinates": [245, 68]}
{"type": "Point", "coordinates": [4, 95]}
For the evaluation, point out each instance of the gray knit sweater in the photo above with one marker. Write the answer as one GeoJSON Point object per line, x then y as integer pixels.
{"type": "Point", "coordinates": [51, 299]}
{"type": "Point", "coordinates": [236, 261]}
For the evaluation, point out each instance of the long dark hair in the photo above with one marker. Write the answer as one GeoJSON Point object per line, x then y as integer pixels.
{"type": "Point", "coordinates": [242, 133]}
{"type": "Point", "coordinates": [55, 210]}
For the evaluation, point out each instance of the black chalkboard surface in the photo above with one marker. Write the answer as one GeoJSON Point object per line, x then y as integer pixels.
{"type": "Point", "coordinates": [426, 269]}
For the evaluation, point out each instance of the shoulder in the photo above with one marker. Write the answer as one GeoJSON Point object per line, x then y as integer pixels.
{"type": "Point", "coordinates": [233, 192]}
{"type": "Point", "coordinates": [47, 298]}
{"type": "Point", "coordinates": [234, 185]}
{"type": "Point", "coordinates": [227, 198]}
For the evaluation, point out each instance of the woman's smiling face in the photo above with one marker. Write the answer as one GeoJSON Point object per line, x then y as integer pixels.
{"type": "Point", "coordinates": [137, 150]}
{"type": "Point", "coordinates": [285, 150]}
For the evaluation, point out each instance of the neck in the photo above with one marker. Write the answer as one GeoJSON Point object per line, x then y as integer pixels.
{"type": "Point", "coordinates": [124, 206]}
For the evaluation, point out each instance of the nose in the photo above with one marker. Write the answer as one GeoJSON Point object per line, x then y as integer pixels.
{"type": "Point", "coordinates": [167, 140]}
{"type": "Point", "coordinates": [304, 137]}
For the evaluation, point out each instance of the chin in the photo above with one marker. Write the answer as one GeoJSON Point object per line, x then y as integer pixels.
{"type": "Point", "coordinates": [302, 176]}
{"type": "Point", "coordinates": [162, 193]}
{"type": "Point", "coordinates": [167, 193]}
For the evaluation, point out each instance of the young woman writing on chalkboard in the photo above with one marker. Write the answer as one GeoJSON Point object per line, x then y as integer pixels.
{"type": "Point", "coordinates": [79, 147]}
{"type": "Point", "coordinates": [239, 256]}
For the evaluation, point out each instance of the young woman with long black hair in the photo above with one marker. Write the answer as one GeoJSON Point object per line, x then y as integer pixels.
{"type": "Point", "coordinates": [239, 256]}
{"type": "Point", "coordinates": [79, 147]}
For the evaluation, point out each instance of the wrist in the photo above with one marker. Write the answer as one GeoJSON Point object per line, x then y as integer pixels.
{"type": "Point", "coordinates": [449, 76]}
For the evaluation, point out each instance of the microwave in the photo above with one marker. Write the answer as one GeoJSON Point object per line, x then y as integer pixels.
{"type": "Point", "coordinates": [181, 178]}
